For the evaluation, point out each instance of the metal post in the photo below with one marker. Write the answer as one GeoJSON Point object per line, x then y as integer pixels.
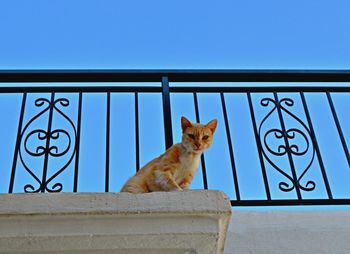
{"type": "Point", "coordinates": [167, 113]}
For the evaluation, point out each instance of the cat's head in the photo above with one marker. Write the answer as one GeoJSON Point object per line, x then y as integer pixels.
{"type": "Point", "coordinates": [197, 137]}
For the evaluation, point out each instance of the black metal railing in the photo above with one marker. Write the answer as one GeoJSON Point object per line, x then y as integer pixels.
{"type": "Point", "coordinates": [280, 120]}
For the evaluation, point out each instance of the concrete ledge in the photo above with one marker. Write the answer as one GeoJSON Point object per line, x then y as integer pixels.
{"type": "Point", "coordinates": [160, 222]}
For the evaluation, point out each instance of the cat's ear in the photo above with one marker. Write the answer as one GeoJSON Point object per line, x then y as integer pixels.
{"type": "Point", "coordinates": [212, 125]}
{"type": "Point", "coordinates": [185, 123]}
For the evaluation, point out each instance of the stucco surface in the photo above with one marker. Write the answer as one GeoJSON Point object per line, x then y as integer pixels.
{"type": "Point", "coordinates": [321, 232]}
{"type": "Point", "coordinates": [174, 222]}
{"type": "Point", "coordinates": [162, 223]}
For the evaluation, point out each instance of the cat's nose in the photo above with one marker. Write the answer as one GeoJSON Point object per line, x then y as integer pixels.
{"type": "Point", "coordinates": [197, 145]}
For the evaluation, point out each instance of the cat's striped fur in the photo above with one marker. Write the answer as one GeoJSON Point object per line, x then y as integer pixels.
{"type": "Point", "coordinates": [175, 169]}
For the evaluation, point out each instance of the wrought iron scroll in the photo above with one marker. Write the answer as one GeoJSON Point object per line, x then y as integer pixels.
{"type": "Point", "coordinates": [287, 144]}
{"type": "Point", "coordinates": [48, 143]}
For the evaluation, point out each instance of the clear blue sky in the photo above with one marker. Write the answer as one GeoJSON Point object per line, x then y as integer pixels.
{"type": "Point", "coordinates": [251, 34]}
{"type": "Point", "coordinates": [175, 34]}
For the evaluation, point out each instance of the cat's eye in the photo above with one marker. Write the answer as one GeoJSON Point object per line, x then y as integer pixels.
{"type": "Point", "coordinates": [205, 137]}
{"type": "Point", "coordinates": [191, 136]}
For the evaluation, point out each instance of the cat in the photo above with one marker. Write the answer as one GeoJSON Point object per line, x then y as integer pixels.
{"type": "Point", "coordinates": [174, 169]}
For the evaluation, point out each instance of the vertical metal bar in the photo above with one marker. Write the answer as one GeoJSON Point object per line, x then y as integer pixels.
{"type": "Point", "coordinates": [77, 144]}
{"type": "Point", "coordinates": [137, 142]}
{"type": "Point", "coordinates": [204, 171]}
{"type": "Point", "coordinates": [314, 141]}
{"type": "Point", "coordinates": [259, 147]}
{"type": "Point", "coordinates": [341, 135]}
{"type": "Point", "coordinates": [18, 143]}
{"type": "Point", "coordinates": [290, 157]}
{"type": "Point", "coordinates": [167, 113]}
{"type": "Point", "coordinates": [47, 146]}
{"type": "Point", "coordinates": [228, 134]}
{"type": "Point", "coordinates": [107, 140]}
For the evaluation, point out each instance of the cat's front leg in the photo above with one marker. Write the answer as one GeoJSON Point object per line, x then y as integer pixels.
{"type": "Point", "coordinates": [166, 181]}
{"type": "Point", "coordinates": [185, 185]}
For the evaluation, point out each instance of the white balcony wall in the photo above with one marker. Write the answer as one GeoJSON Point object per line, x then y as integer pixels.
{"type": "Point", "coordinates": [169, 223]}
{"type": "Point", "coordinates": [289, 232]}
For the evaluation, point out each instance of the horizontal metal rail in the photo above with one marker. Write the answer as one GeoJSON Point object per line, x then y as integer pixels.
{"type": "Point", "coordinates": [27, 76]}
{"type": "Point", "coordinates": [154, 89]}
{"type": "Point", "coordinates": [290, 202]}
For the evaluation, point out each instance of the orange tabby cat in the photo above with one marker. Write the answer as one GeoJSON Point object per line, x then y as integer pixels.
{"type": "Point", "coordinates": [175, 169]}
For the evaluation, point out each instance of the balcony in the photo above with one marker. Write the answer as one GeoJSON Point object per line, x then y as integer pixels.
{"type": "Point", "coordinates": [282, 140]}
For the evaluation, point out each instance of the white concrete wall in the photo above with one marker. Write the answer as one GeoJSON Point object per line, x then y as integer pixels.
{"type": "Point", "coordinates": [191, 222]}
{"type": "Point", "coordinates": [289, 232]}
